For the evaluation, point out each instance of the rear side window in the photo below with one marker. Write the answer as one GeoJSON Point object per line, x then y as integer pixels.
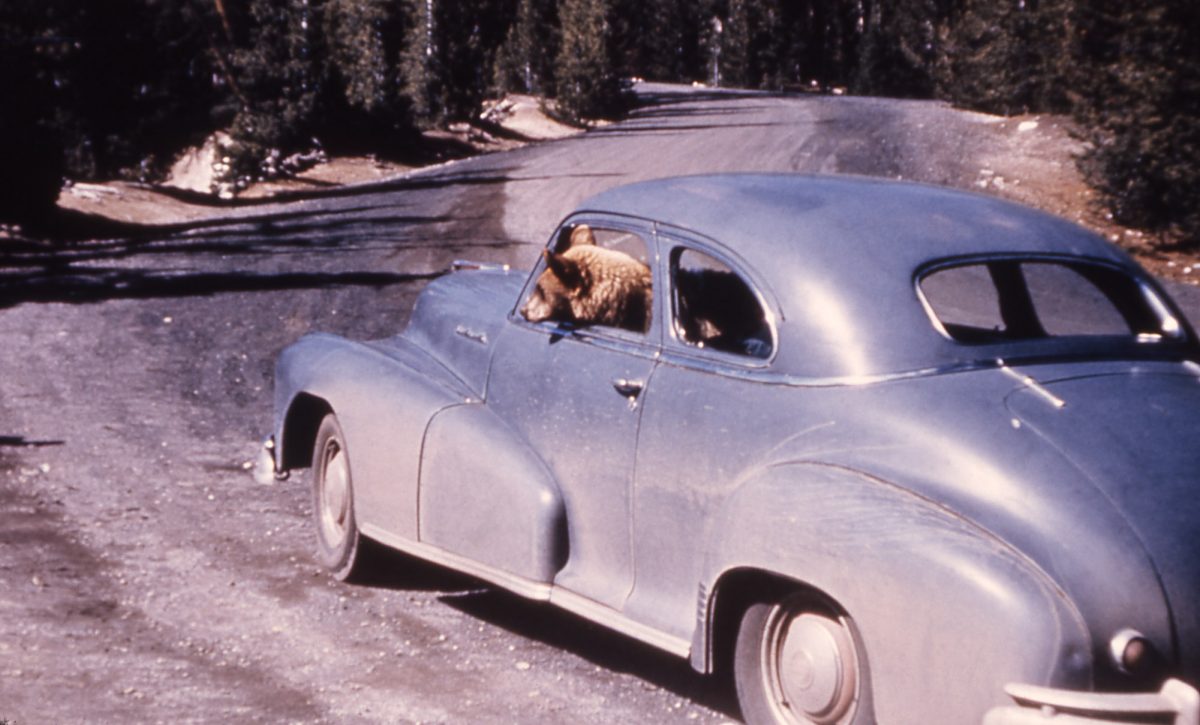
{"type": "Point", "coordinates": [715, 308]}
{"type": "Point", "coordinates": [1019, 300]}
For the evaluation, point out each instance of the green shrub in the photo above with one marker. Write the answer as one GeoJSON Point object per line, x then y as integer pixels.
{"type": "Point", "coordinates": [1139, 100]}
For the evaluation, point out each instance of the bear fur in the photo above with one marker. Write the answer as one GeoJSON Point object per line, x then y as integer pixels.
{"type": "Point", "coordinates": [591, 285]}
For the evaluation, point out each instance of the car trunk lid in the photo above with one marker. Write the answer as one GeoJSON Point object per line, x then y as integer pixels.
{"type": "Point", "coordinates": [1147, 418]}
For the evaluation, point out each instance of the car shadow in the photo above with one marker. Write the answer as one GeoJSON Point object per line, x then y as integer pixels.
{"type": "Point", "coordinates": [557, 628]}
{"type": "Point", "coordinates": [386, 568]}
{"type": "Point", "coordinates": [602, 647]}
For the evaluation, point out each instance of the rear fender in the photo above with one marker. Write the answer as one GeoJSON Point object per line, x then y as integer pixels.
{"type": "Point", "coordinates": [934, 598]}
{"type": "Point", "coordinates": [485, 496]}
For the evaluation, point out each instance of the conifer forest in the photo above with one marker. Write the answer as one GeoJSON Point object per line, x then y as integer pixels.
{"type": "Point", "coordinates": [118, 88]}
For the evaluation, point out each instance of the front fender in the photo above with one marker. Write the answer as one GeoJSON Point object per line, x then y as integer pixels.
{"type": "Point", "coordinates": [485, 496]}
{"type": "Point", "coordinates": [384, 397]}
{"type": "Point", "coordinates": [935, 599]}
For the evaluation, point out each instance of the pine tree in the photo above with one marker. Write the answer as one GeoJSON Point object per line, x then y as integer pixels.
{"type": "Point", "coordinates": [777, 44]}
{"type": "Point", "coordinates": [132, 84]}
{"type": "Point", "coordinates": [362, 107]}
{"type": "Point", "coordinates": [898, 47]}
{"type": "Point", "coordinates": [449, 64]}
{"type": "Point", "coordinates": [1001, 57]}
{"type": "Point", "coordinates": [784, 44]}
{"type": "Point", "coordinates": [420, 70]}
{"type": "Point", "coordinates": [830, 52]}
{"type": "Point", "coordinates": [106, 89]}
{"type": "Point", "coordinates": [474, 31]}
{"type": "Point", "coordinates": [678, 54]}
{"type": "Point", "coordinates": [525, 61]}
{"type": "Point", "coordinates": [279, 78]}
{"type": "Point", "coordinates": [587, 81]}
{"type": "Point", "coordinates": [356, 51]}
{"type": "Point", "coordinates": [31, 149]}
{"type": "Point", "coordinates": [753, 43]}
{"type": "Point", "coordinates": [657, 39]}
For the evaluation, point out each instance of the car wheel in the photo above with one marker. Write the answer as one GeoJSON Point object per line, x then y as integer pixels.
{"type": "Point", "coordinates": [338, 540]}
{"type": "Point", "coordinates": [796, 661]}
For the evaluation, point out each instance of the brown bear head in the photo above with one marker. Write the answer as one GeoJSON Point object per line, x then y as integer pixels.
{"type": "Point", "coordinates": [563, 280]}
{"type": "Point", "coordinates": [588, 284]}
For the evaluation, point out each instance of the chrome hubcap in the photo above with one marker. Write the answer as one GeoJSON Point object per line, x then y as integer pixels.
{"type": "Point", "coordinates": [811, 667]}
{"type": "Point", "coordinates": [335, 498]}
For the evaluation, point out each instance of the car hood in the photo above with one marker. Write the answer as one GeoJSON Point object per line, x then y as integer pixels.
{"type": "Point", "coordinates": [1134, 435]}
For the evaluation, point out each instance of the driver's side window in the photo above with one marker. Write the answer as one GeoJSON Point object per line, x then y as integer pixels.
{"type": "Point", "coordinates": [594, 276]}
{"type": "Point", "coordinates": [714, 307]}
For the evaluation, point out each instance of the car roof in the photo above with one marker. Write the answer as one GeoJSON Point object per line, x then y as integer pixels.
{"type": "Point", "coordinates": [840, 255]}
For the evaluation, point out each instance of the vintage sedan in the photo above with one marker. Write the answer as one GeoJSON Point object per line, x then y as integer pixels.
{"type": "Point", "coordinates": [888, 451]}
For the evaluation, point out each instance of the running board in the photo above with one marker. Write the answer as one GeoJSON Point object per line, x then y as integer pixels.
{"type": "Point", "coordinates": [577, 604]}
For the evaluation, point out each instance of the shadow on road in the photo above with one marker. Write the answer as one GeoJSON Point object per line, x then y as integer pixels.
{"type": "Point", "coordinates": [98, 285]}
{"type": "Point", "coordinates": [22, 442]}
{"type": "Point", "coordinates": [634, 129]}
{"type": "Point", "coordinates": [192, 259]}
{"type": "Point", "coordinates": [554, 627]}
{"type": "Point", "coordinates": [660, 95]}
{"type": "Point", "coordinates": [421, 182]}
{"type": "Point", "coordinates": [602, 647]}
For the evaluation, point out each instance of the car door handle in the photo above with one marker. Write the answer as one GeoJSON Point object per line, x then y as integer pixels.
{"type": "Point", "coordinates": [628, 388]}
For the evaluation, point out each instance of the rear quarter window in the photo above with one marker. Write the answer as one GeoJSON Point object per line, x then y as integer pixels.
{"type": "Point", "coordinates": [715, 308]}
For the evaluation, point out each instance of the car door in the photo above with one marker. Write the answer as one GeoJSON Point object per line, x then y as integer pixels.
{"type": "Point", "coordinates": [701, 427]}
{"type": "Point", "coordinates": [574, 393]}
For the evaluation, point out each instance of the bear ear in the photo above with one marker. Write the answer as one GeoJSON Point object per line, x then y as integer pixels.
{"type": "Point", "coordinates": [582, 235]}
{"type": "Point", "coordinates": [568, 271]}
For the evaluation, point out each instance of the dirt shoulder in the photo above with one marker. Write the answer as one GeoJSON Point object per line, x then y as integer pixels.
{"type": "Point", "coordinates": [1039, 169]}
{"type": "Point", "coordinates": [509, 123]}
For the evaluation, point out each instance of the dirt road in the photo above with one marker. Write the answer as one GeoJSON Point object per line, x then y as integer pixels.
{"type": "Point", "coordinates": [145, 576]}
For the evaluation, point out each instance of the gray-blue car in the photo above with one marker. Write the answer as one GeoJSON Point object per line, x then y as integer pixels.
{"type": "Point", "coordinates": [887, 451]}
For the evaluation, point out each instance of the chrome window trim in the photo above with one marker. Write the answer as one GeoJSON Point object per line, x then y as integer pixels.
{"type": "Point", "coordinates": [609, 338]}
{"type": "Point", "coordinates": [768, 377]}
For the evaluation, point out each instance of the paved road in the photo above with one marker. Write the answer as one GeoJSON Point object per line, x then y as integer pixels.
{"type": "Point", "coordinates": [145, 577]}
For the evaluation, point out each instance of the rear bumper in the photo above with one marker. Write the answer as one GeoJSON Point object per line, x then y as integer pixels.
{"type": "Point", "coordinates": [1177, 703]}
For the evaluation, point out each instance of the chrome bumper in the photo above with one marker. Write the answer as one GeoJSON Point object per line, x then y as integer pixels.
{"type": "Point", "coordinates": [1177, 703]}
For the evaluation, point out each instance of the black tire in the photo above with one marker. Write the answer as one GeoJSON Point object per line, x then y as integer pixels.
{"type": "Point", "coordinates": [797, 661]}
{"type": "Point", "coordinates": [339, 544]}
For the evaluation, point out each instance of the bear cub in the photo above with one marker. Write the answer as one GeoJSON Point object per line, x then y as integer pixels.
{"type": "Point", "coordinates": [590, 285]}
